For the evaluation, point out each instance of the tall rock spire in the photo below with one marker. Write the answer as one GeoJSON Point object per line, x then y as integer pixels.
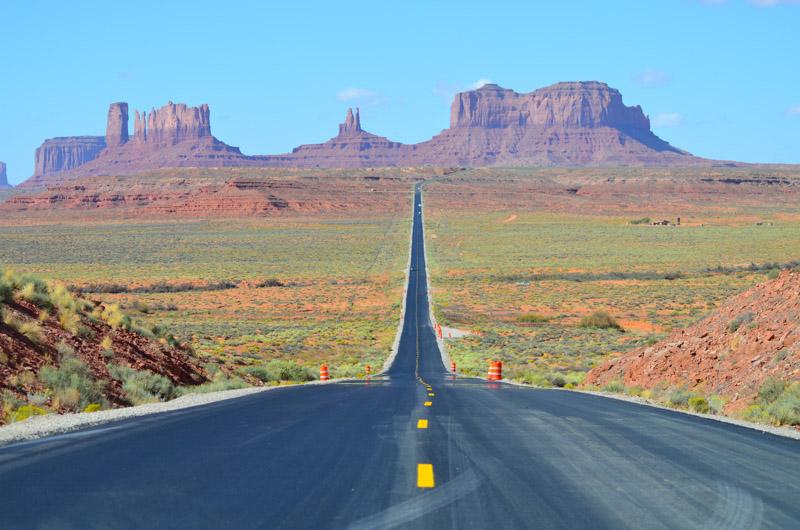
{"type": "Point", "coordinates": [117, 124]}
{"type": "Point", "coordinates": [351, 125]}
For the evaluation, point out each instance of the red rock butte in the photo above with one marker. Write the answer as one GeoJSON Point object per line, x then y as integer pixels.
{"type": "Point", "coordinates": [570, 124]}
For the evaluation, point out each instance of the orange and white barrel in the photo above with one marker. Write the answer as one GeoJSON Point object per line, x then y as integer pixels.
{"type": "Point", "coordinates": [495, 371]}
{"type": "Point", "coordinates": [323, 373]}
{"type": "Point", "coordinates": [453, 367]}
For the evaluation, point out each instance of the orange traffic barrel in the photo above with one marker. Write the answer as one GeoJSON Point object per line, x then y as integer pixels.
{"type": "Point", "coordinates": [323, 373]}
{"type": "Point", "coordinates": [368, 369]}
{"type": "Point", "coordinates": [453, 367]}
{"type": "Point", "coordinates": [495, 371]}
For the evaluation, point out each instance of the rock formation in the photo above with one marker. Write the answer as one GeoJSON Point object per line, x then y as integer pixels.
{"type": "Point", "coordinates": [351, 125]}
{"type": "Point", "coordinates": [59, 155]}
{"type": "Point", "coordinates": [575, 124]}
{"type": "Point", "coordinates": [117, 125]}
{"type": "Point", "coordinates": [752, 337]}
{"type": "Point", "coordinates": [172, 124]}
{"type": "Point", "coordinates": [3, 177]}
{"type": "Point", "coordinates": [352, 147]}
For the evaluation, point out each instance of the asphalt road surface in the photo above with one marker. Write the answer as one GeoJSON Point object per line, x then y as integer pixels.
{"type": "Point", "coordinates": [353, 455]}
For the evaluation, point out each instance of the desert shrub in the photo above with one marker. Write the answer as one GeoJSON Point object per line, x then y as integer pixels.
{"type": "Point", "coordinates": [25, 412]}
{"type": "Point", "coordinates": [288, 371]}
{"type": "Point", "coordinates": [773, 274]}
{"type": "Point", "coordinates": [533, 318]}
{"type": "Point", "coordinates": [142, 386]}
{"type": "Point", "coordinates": [37, 293]}
{"type": "Point", "coordinates": [679, 398]}
{"type": "Point", "coordinates": [93, 407]}
{"type": "Point", "coordinates": [635, 391]}
{"type": "Point", "coordinates": [785, 410]}
{"type": "Point", "coordinates": [270, 282]}
{"type": "Point", "coordinates": [699, 404]}
{"type": "Point", "coordinates": [221, 382]}
{"type": "Point", "coordinates": [600, 320]}
{"type": "Point", "coordinates": [64, 350]}
{"type": "Point", "coordinates": [260, 372]}
{"type": "Point", "coordinates": [32, 331]}
{"type": "Point", "coordinates": [6, 291]}
{"type": "Point", "coordinates": [642, 221]}
{"type": "Point", "coordinates": [114, 317]}
{"type": "Point", "coordinates": [717, 403]}
{"type": "Point", "coordinates": [72, 383]}
{"type": "Point", "coordinates": [744, 318]}
{"type": "Point", "coordinates": [771, 390]}
{"type": "Point", "coordinates": [614, 386]}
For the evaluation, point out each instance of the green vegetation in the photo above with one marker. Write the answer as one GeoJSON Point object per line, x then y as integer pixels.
{"type": "Point", "coordinates": [142, 386]}
{"type": "Point", "coordinates": [600, 320]}
{"type": "Point", "coordinates": [72, 385]}
{"type": "Point", "coordinates": [778, 403]}
{"type": "Point", "coordinates": [240, 293]}
{"type": "Point", "coordinates": [744, 318]}
{"type": "Point", "coordinates": [280, 370]}
{"type": "Point", "coordinates": [533, 318]}
{"type": "Point", "coordinates": [593, 275]}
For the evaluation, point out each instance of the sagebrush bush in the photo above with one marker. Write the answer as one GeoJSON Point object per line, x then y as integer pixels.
{"type": "Point", "coordinates": [533, 318]}
{"type": "Point", "coordinates": [72, 383]}
{"type": "Point", "coordinates": [600, 320]}
{"type": "Point", "coordinates": [744, 318]}
{"type": "Point", "coordinates": [289, 371]}
{"type": "Point", "coordinates": [142, 386]}
{"type": "Point", "coordinates": [614, 386]}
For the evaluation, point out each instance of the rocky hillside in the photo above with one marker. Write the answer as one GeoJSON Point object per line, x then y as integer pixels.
{"type": "Point", "coordinates": [62, 353]}
{"type": "Point", "coordinates": [574, 123]}
{"type": "Point", "coordinates": [742, 352]}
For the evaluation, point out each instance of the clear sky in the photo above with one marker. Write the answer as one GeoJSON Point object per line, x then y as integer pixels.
{"type": "Point", "coordinates": [718, 78]}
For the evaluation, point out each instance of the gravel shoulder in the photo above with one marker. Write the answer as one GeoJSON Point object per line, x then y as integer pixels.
{"type": "Point", "coordinates": [50, 424]}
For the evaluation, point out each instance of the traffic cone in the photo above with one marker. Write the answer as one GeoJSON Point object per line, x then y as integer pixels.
{"type": "Point", "coordinates": [323, 373]}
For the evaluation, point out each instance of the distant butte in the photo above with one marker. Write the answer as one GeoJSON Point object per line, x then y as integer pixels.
{"type": "Point", "coordinates": [571, 124]}
{"type": "Point", "coordinates": [3, 177]}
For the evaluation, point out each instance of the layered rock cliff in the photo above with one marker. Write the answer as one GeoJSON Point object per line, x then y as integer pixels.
{"type": "Point", "coordinates": [58, 155]}
{"type": "Point", "coordinates": [576, 123]}
{"type": "Point", "coordinates": [172, 124]}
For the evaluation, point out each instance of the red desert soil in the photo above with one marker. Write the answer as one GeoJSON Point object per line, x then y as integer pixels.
{"type": "Point", "coordinates": [756, 335]}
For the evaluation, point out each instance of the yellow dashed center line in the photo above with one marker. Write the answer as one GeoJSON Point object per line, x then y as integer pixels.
{"type": "Point", "coordinates": [425, 476]}
{"type": "Point", "coordinates": [428, 403]}
{"type": "Point", "coordinates": [422, 424]}
{"type": "Point", "coordinates": [430, 394]}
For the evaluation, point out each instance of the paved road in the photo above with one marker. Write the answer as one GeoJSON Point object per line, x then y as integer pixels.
{"type": "Point", "coordinates": [347, 456]}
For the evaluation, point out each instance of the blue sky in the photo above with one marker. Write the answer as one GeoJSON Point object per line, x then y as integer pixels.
{"type": "Point", "coordinates": [718, 78]}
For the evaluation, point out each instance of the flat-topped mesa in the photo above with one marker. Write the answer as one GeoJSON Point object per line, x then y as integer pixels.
{"type": "Point", "coordinates": [3, 177]}
{"type": "Point", "coordinates": [351, 125]}
{"type": "Point", "coordinates": [117, 125]}
{"type": "Point", "coordinates": [62, 154]}
{"type": "Point", "coordinates": [172, 124]}
{"type": "Point", "coordinates": [580, 104]}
